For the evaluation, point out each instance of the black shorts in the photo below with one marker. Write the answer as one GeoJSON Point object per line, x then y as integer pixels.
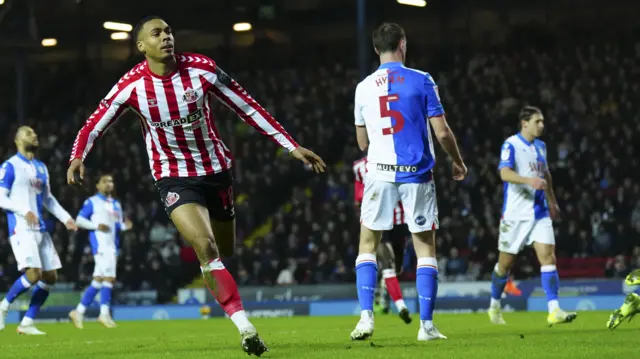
{"type": "Point", "coordinates": [213, 191]}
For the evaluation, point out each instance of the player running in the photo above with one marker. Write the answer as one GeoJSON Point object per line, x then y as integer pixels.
{"type": "Point", "coordinates": [529, 206]}
{"type": "Point", "coordinates": [24, 192]}
{"type": "Point", "coordinates": [172, 94]}
{"type": "Point", "coordinates": [391, 109]}
{"type": "Point", "coordinates": [386, 254]}
{"type": "Point", "coordinates": [631, 305]}
{"type": "Point", "coordinates": [103, 217]}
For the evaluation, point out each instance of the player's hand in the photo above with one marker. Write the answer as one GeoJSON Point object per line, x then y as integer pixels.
{"type": "Point", "coordinates": [537, 183]}
{"type": "Point", "coordinates": [71, 225]}
{"type": "Point", "coordinates": [104, 228]}
{"type": "Point", "coordinates": [76, 167]}
{"type": "Point", "coordinates": [310, 159]}
{"type": "Point", "coordinates": [128, 224]}
{"type": "Point", "coordinates": [459, 171]}
{"type": "Point", "coordinates": [32, 219]}
{"type": "Point", "coordinates": [554, 211]}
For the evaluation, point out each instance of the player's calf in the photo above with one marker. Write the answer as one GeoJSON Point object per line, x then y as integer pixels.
{"type": "Point", "coordinates": [77, 315]}
{"type": "Point", "coordinates": [105, 303]}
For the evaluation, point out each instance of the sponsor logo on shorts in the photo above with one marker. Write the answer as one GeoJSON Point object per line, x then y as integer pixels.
{"type": "Point", "coordinates": [171, 199]}
{"type": "Point", "coordinates": [396, 168]}
{"type": "Point", "coordinates": [421, 220]}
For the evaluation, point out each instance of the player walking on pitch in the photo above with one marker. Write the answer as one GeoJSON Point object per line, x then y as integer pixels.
{"type": "Point", "coordinates": [172, 94]}
{"type": "Point", "coordinates": [103, 217]}
{"type": "Point", "coordinates": [391, 109]}
{"type": "Point", "coordinates": [24, 192]}
{"type": "Point", "coordinates": [386, 255]}
{"type": "Point", "coordinates": [529, 205]}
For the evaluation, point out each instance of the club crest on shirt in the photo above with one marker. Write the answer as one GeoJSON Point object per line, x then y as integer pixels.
{"type": "Point", "coordinates": [152, 102]}
{"type": "Point", "coordinates": [171, 199]}
{"type": "Point", "coordinates": [190, 96]}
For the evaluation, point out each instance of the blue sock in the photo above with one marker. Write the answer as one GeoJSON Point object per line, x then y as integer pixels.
{"type": "Point", "coordinates": [366, 275]}
{"type": "Point", "coordinates": [551, 285]}
{"type": "Point", "coordinates": [105, 297]}
{"type": "Point", "coordinates": [38, 297]}
{"type": "Point", "coordinates": [90, 294]}
{"type": "Point", "coordinates": [427, 286]}
{"type": "Point", "coordinates": [20, 286]}
{"type": "Point", "coordinates": [497, 284]}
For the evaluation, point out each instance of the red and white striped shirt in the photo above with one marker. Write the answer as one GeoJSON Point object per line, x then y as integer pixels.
{"type": "Point", "coordinates": [176, 118]}
{"type": "Point", "coordinates": [359, 171]}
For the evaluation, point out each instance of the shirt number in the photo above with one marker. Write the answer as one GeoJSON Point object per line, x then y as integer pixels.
{"type": "Point", "coordinates": [386, 112]}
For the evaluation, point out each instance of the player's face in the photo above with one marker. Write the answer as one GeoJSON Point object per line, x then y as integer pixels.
{"type": "Point", "coordinates": [105, 185]}
{"type": "Point", "coordinates": [27, 138]}
{"type": "Point", "coordinates": [156, 40]}
{"type": "Point", "coordinates": [535, 125]}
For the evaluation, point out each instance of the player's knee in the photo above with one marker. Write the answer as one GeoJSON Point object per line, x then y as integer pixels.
{"type": "Point", "coordinates": [547, 258]}
{"type": "Point", "coordinates": [33, 274]}
{"type": "Point", "coordinates": [50, 277]}
{"type": "Point", "coordinates": [205, 248]}
{"type": "Point", "coordinates": [111, 280]}
{"type": "Point", "coordinates": [98, 279]}
{"type": "Point", "coordinates": [369, 240]}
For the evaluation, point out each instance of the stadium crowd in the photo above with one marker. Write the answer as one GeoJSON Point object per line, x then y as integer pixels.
{"type": "Point", "coordinates": [586, 94]}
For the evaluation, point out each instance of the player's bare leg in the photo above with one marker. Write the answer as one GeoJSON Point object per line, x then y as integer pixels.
{"type": "Point", "coordinates": [551, 283]}
{"type": "Point", "coordinates": [193, 223]}
{"type": "Point", "coordinates": [499, 279]}
{"type": "Point", "coordinates": [105, 303]}
{"type": "Point", "coordinates": [38, 297]}
{"type": "Point", "coordinates": [77, 315]}
{"type": "Point", "coordinates": [387, 260]}
{"type": "Point", "coordinates": [366, 277]}
{"type": "Point", "coordinates": [426, 283]}
{"type": "Point", "coordinates": [21, 285]}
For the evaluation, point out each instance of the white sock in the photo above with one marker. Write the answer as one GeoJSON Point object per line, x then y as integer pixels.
{"type": "Point", "coordinates": [242, 322]}
{"type": "Point", "coordinates": [553, 305]}
{"type": "Point", "coordinates": [495, 303]}
{"type": "Point", "coordinates": [4, 305]}
{"type": "Point", "coordinates": [426, 323]}
{"type": "Point", "coordinates": [366, 315]}
{"type": "Point", "coordinates": [26, 322]}
{"type": "Point", "coordinates": [81, 309]}
{"type": "Point", "coordinates": [104, 309]}
{"type": "Point", "coordinates": [400, 304]}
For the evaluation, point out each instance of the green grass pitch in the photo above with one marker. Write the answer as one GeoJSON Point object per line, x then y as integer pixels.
{"type": "Point", "coordinates": [470, 336]}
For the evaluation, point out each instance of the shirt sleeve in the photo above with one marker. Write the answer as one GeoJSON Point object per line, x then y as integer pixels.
{"type": "Point", "coordinates": [7, 175]}
{"type": "Point", "coordinates": [357, 107]}
{"type": "Point", "coordinates": [434, 106]}
{"type": "Point", "coordinates": [507, 156]}
{"type": "Point", "coordinates": [87, 209]}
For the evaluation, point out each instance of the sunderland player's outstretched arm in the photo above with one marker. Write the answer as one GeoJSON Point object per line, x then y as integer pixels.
{"type": "Point", "coordinates": [249, 110]}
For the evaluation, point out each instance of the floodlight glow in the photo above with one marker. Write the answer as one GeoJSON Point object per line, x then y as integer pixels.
{"type": "Point", "coordinates": [119, 36]}
{"type": "Point", "coordinates": [418, 3]}
{"type": "Point", "coordinates": [117, 26]}
{"type": "Point", "coordinates": [49, 42]}
{"type": "Point", "coordinates": [241, 26]}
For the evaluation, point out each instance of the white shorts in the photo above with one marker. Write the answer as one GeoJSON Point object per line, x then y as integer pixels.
{"type": "Point", "coordinates": [380, 198]}
{"type": "Point", "coordinates": [515, 235]}
{"type": "Point", "coordinates": [105, 264]}
{"type": "Point", "coordinates": [34, 250]}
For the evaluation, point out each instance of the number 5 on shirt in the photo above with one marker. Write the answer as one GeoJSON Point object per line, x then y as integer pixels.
{"type": "Point", "coordinates": [386, 112]}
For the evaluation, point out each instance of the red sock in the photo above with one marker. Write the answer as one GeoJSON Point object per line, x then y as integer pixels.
{"type": "Point", "coordinates": [393, 286]}
{"type": "Point", "coordinates": [222, 286]}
